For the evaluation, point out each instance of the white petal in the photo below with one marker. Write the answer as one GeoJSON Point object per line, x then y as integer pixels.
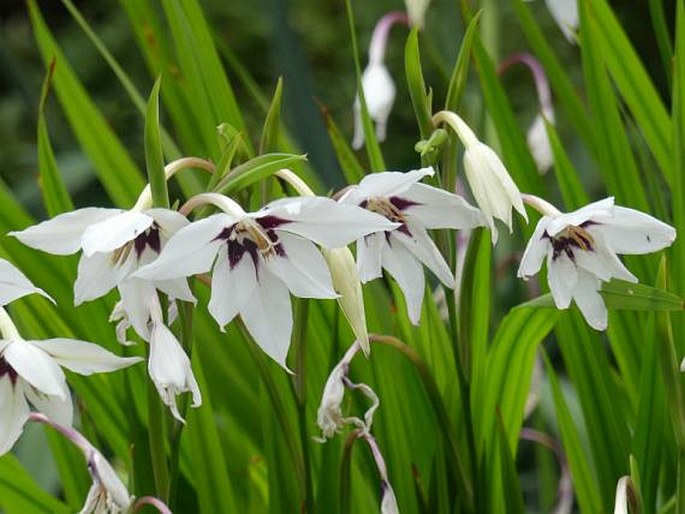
{"type": "Point", "coordinates": [59, 410]}
{"type": "Point", "coordinates": [169, 221]}
{"type": "Point", "coordinates": [191, 251]}
{"type": "Point", "coordinates": [538, 246]}
{"type": "Point", "coordinates": [358, 139]}
{"type": "Point", "coordinates": [170, 370]}
{"type": "Point", "coordinates": [97, 275]}
{"type": "Point", "coordinates": [302, 269]}
{"type": "Point", "coordinates": [268, 317]}
{"type": "Point", "coordinates": [379, 93]}
{"type": "Point", "coordinates": [438, 208]}
{"type": "Point", "coordinates": [14, 284]}
{"type": "Point", "coordinates": [565, 13]}
{"type": "Point", "coordinates": [369, 252]}
{"type": "Point", "coordinates": [562, 277]}
{"type": "Point", "coordinates": [589, 301]}
{"type": "Point", "coordinates": [487, 195]}
{"type": "Point", "coordinates": [62, 234]}
{"type": "Point", "coordinates": [408, 273]}
{"type": "Point", "coordinates": [82, 357]}
{"type": "Point", "coordinates": [137, 298]}
{"type": "Point", "coordinates": [540, 147]}
{"type": "Point", "coordinates": [424, 249]}
{"type": "Point", "coordinates": [116, 491]}
{"type": "Point", "coordinates": [600, 211]}
{"type": "Point", "coordinates": [324, 221]}
{"type": "Point", "coordinates": [176, 288]}
{"type": "Point", "coordinates": [392, 183]}
{"type": "Point", "coordinates": [603, 263]}
{"type": "Point", "coordinates": [231, 288]}
{"type": "Point", "coordinates": [14, 411]}
{"type": "Point", "coordinates": [621, 501]}
{"type": "Point", "coordinates": [634, 232]}
{"type": "Point", "coordinates": [36, 367]}
{"type": "Point", "coordinates": [110, 234]}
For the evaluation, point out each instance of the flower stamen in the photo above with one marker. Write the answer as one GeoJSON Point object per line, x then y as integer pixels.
{"type": "Point", "coordinates": [381, 205]}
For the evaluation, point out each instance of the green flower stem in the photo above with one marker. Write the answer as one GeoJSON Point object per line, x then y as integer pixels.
{"type": "Point", "coordinates": [466, 488]}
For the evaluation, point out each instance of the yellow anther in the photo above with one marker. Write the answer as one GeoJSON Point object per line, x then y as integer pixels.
{"type": "Point", "coordinates": [581, 236]}
{"type": "Point", "coordinates": [384, 207]}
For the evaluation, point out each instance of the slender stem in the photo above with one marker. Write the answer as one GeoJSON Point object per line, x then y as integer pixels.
{"type": "Point", "coordinates": [156, 416]}
{"type": "Point", "coordinates": [539, 78]}
{"type": "Point", "coordinates": [226, 204]}
{"type": "Point", "coordinates": [155, 502]}
{"type": "Point", "coordinates": [542, 206]}
{"type": "Point", "coordinates": [7, 327]}
{"type": "Point", "coordinates": [379, 39]}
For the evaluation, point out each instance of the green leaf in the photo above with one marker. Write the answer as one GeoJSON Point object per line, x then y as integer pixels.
{"type": "Point", "coordinates": [585, 484]}
{"type": "Point", "coordinates": [153, 150]}
{"type": "Point", "coordinates": [569, 182]}
{"type": "Point", "coordinates": [55, 194]}
{"type": "Point", "coordinates": [460, 72]}
{"type": "Point", "coordinates": [633, 82]}
{"type": "Point", "coordinates": [351, 167]}
{"type": "Point", "coordinates": [416, 84]}
{"type": "Point", "coordinates": [19, 494]}
{"type": "Point", "coordinates": [619, 294]}
{"type": "Point", "coordinates": [119, 175]}
{"type": "Point", "coordinates": [268, 142]}
{"type": "Point", "coordinates": [255, 170]}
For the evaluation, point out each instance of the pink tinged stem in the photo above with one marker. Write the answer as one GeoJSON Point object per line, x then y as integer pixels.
{"type": "Point", "coordinates": [73, 435]}
{"type": "Point", "coordinates": [565, 489]}
{"type": "Point", "coordinates": [155, 502]}
{"type": "Point", "coordinates": [379, 39]}
{"type": "Point", "coordinates": [377, 455]}
{"type": "Point", "coordinates": [539, 76]}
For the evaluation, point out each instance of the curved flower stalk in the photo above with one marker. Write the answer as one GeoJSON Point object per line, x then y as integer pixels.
{"type": "Point", "coordinates": [415, 207]}
{"type": "Point", "coordinates": [107, 494]}
{"type": "Point", "coordinates": [115, 243]}
{"type": "Point", "coordinates": [537, 137]}
{"type": "Point", "coordinates": [492, 187]}
{"type": "Point", "coordinates": [581, 248]}
{"type": "Point", "coordinates": [259, 258]}
{"type": "Point", "coordinates": [377, 84]}
{"type": "Point", "coordinates": [14, 284]}
{"type": "Point", "coordinates": [30, 372]}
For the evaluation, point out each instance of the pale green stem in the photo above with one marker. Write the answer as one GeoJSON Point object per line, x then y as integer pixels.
{"type": "Point", "coordinates": [145, 199]}
{"type": "Point", "coordinates": [226, 204]}
{"type": "Point", "coordinates": [7, 327]}
{"type": "Point", "coordinates": [296, 182]}
{"type": "Point", "coordinates": [456, 123]}
{"type": "Point", "coordinates": [542, 206]}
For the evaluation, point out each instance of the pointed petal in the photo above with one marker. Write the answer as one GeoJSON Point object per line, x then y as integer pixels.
{"type": "Point", "coordinates": [324, 221]}
{"type": "Point", "coordinates": [369, 252]}
{"type": "Point", "coordinates": [137, 298]}
{"type": "Point", "coordinates": [481, 192]}
{"type": "Point", "coordinates": [14, 411]}
{"type": "Point", "coordinates": [589, 301]}
{"type": "Point", "coordinates": [268, 317]}
{"type": "Point", "coordinates": [392, 183]}
{"type": "Point", "coordinates": [538, 246]}
{"type": "Point", "coordinates": [408, 273]}
{"type": "Point", "coordinates": [59, 410]}
{"type": "Point", "coordinates": [169, 221]}
{"type": "Point", "coordinates": [303, 269]}
{"type": "Point", "coordinates": [170, 370]}
{"type": "Point", "coordinates": [562, 277]}
{"type": "Point", "coordinates": [36, 367]}
{"type": "Point", "coordinates": [379, 92]}
{"type": "Point", "coordinates": [603, 263]}
{"type": "Point", "coordinates": [116, 491]}
{"type": "Point", "coordinates": [177, 289]}
{"type": "Point", "coordinates": [14, 284]}
{"type": "Point", "coordinates": [600, 211]}
{"type": "Point", "coordinates": [437, 208]}
{"type": "Point", "coordinates": [82, 357]}
{"type": "Point", "coordinates": [231, 288]}
{"type": "Point", "coordinates": [424, 249]}
{"type": "Point", "coordinates": [97, 275]}
{"type": "Point", "coordinates": [62, 234]}
{"type": "Point", "coordinates": [114, 232]}
{"type": "Point", "coordinates": [191, 251]}
{"type": "Point", "coordinates": [634, 232]}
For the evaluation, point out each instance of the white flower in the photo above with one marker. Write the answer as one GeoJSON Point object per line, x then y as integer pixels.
{"type": "Point", "coordinates": [107, 494]}
{"type": "Point", "coordinates": [379, 93]}
{"type": "Point", "coordinates": [624, 495]}
{"type": "Point", "coordinates": [538, 141]}
{"type": "Point", "coordinates": [14, 284]}
{"type": "Point", "coordinates": [581, 248]}
{"type": "Point", "coordinates": [115, 243]}
{"type": "Point", "coordinates": [30, 373]}
{"type": "Point", "coordinates": [492, 187]}
{"type": "Point", "coordinates": [415, 208]}
{"type": "Point", "coordinates": [388, 500]}
{"type": "Point", "coordinates": [170, 370]}
{"type": "Point", "coordinates": [259, 257]}
{"type": "Point", "coordinates": [329, 417]}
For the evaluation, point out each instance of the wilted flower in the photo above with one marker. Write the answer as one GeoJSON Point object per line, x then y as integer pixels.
{"type": "Point", "coordinates": [388, 500]}
{"type": "Point", "coordinates": [30, 373]}
{"type": "Point", "coordinates": [107, 494]}
{"type": "Point", "coordinates": [329, 416]}
{"type": "Point", "coordinates": [492, 187]}
{"type": "Point", "coordinates": [401, 250]}
{"type": "Point", "coordinates": [263, 256]}
{"type": "Point", "coordinates": [377, 84]}
{"type": "Point", "coordinates": [581, 249]}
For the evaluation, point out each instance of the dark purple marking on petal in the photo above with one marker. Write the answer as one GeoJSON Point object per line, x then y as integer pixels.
{"type": "Point", "coordinates": [405, 230]}
{"type": "Point", "coordinates": [569, 245]}
{"type": "Point", "coordinates": [225, 234]}
{"type": "Point", "coordinates": [269, 222]}
{"type": "Point", "coordinates": [148, 238]}
{"type": "Point", "coordinates": [6, 369]}
{"type": "Point", "coordinates": [402, 203]}
{"type": "Point", "coordinates": [278, 247]}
